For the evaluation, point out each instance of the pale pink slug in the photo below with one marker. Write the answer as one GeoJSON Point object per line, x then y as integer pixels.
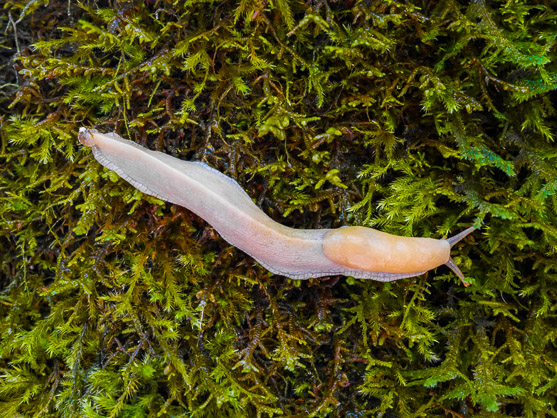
{"type": "Point", "coordinates": [355, 251]}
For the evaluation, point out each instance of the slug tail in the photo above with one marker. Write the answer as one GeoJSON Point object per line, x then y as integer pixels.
{"type": "Point", "coordinates": [452, 265]}
{"type": "Point", "coordinates": [458, 237]}
{"type": "Point", "coordinates": [86, 137]}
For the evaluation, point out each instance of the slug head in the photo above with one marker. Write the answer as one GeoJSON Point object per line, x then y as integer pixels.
{"type": "Point", "coordinates": [451, 264]}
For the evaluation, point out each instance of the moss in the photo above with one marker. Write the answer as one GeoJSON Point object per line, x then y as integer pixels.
{"type": "Point", "coordinates": [417, 118]}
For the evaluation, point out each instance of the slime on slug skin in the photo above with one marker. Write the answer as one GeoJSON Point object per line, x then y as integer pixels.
{"type": "Point", "coordinates": [354, 251]}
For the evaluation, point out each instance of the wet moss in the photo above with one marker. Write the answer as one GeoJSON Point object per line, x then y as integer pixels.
{"type": "Point", "coordinates": [416, 118]}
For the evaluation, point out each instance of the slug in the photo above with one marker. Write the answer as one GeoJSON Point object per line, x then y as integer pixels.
{"type": "Point", "coordinates": [354, 251]}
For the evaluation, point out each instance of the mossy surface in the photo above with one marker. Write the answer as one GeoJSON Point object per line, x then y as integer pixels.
{"type": "Point", "coordinates": [417, 118]}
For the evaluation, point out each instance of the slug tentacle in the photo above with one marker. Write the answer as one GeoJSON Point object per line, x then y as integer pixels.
{"type": "Point", "coordinates": [295, 253]}
{"type": "Point", "coordinates": [451, 264]}
{"type": "Point", "coordinates": [460, 236]}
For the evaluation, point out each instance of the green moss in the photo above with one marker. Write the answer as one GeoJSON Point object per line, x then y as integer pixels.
{"type": "Point", "coordinates": [415, 118]}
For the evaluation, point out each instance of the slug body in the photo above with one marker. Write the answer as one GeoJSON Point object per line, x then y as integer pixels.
{"type": "Point", "coordinates": [295, 253]}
